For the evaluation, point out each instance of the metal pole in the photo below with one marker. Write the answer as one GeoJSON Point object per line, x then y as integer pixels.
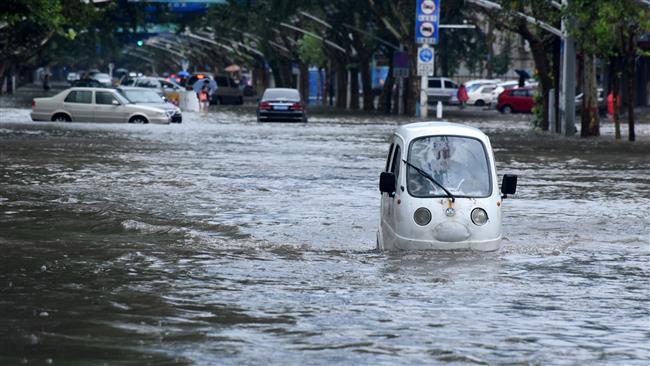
{"type": "Point", "coordinates": [424, 108]}
{"type": "Point", "coordinates": [568, 93]}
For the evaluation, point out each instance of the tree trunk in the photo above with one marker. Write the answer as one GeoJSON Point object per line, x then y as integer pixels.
{"type": "Point", "coordinates": [321, 90]}
{"type": "Point", "coordinates": [557, 57]}
{"type": "Point", "coordinates": [616, 87]}
{"type": "Point", "coordinates": [589, 115]}
{"type": "Point", "coordinates": [542, 63]}
{"type": "Point", "coordinates": [3, 67]}
{"type": "Point", "coordinates": [385, 98]}
{"type": "Point", "coordinates": [490, 41]}
{"type": "Point", "coordinates": [630, 68]}
{"type": "Point", "coordinates": [304, 81]}
{"type": "Point", "coordinates": [341, 85]}
{"type": "Point", "coordinates": [354, 89]}
{"type": "Point", "coordinates": [366, 84]}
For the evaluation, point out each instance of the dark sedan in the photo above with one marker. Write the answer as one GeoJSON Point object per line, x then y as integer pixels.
{"type": "Point", "coordinates": [281, 104]}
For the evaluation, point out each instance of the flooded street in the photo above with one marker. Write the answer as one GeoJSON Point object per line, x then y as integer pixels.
{"type": "Point", "coordinates": [225, 241]}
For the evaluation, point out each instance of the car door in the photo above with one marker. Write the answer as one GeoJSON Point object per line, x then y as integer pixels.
{"type": "Point", "coordinates": [79, 103]}
{"type": "Point", "coordinates": [530, 100]}
{"type": "Point", "coordinates": [108, 108]}
{"type": "Point", "coordinates": [390, 210]}
{"type": "Point", "coordinates": [518, 99]}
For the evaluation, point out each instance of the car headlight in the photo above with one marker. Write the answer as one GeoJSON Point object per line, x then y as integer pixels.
{"type": "Point", "coordinates": [170, 112]}
{"type": "Point", "coordinates": [479, 216]}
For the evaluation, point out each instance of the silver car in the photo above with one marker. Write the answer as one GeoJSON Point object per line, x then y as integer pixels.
{"type": "Point", "coordinates": [145, 96]}
{"type": "Point", "coordinates": [95, 105]}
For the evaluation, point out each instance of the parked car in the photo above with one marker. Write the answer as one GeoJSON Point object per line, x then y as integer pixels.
{"type": "Point", "coordinates": [72, 76]}
{"type": "Point", "coordinates": [102, 78]}
{"type": "Point", "coordinates": [226, 92]}
{"type": "Point", "coordinates": [281, 104]}
{"type": "Point", "coordinates": [501, 87]}
{"type": "Point", "coordinates": [442, 89]}
{"type": "Point", "coordinates": [516, 100]}
{"type": "Point", "coordinates": [146, 96]}
{"type": "Point", "coordinates": [439, 190]}
{"type": "Point", "coordinates": [165, 88]}
{"type": "Point", "coordinates": [87, 83]}
{"type": "Point", "coordinates": [480, 95]}
{"type": "Point", "coordinates": [95, 105]}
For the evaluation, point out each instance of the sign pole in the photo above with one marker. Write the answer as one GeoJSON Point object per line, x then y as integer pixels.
{"type": "Point", "coordinates": [427, 19]}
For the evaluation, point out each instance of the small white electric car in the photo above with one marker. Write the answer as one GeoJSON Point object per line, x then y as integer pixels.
{"type": "Point", "coordinates": [439, 190]}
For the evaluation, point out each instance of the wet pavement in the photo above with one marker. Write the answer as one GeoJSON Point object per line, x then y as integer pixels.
{"type": "Point", "coordinates": [225, 241]}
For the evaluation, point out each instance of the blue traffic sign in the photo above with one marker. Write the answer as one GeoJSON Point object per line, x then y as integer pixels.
{"type": "Point", "coordinates": [425, 55]}
{"type": "Point", "coordinates": [427, 19]}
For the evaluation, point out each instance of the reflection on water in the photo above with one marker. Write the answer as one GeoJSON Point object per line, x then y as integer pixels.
{"type": "Point", "coordinates": [225, 241]}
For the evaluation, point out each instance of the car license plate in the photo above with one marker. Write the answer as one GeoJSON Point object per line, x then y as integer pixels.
{"type": "Point", "coordinates": [281, 107]}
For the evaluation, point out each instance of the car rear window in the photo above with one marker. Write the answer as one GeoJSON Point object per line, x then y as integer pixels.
{"type": "Point", "coordinates": [222, 81]}
{"type": "Point", "coordinates": [147, 83]}
{"type": "Point", "coordinates": [79, 96]}
{"type": "Point", "coordinates": [287, 94]}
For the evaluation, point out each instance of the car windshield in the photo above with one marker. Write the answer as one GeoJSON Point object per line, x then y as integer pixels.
{"type": "Point", "coordinates": [460, 164]}
{"type": "Point", "coordinates": [472, 87]}
{"type": "Point", "coordinates": [142, 96]}
{"type": "Point", "coordinates": [286, 94]}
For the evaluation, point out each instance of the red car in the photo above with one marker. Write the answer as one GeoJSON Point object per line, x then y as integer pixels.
{"type": "Point", "coordinates": [516, 100]}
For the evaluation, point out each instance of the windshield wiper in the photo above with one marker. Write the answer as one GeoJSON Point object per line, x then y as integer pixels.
{"type": "Point", "coordinates": [429, 177]}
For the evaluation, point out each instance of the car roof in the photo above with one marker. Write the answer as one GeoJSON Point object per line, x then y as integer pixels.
{"type": "Point", "coordinates": [281, 89]}
{"type": "Point", "coordinates": [90, 88]}
{"type": "Point", "coordinates": [419, 129]}
{"type": "Point", "coordinates": [137, 88]}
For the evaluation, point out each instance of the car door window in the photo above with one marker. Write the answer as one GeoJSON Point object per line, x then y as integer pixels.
{"type": "Point", "coordinates": [104, 98]}
{"type": "Point", "coordinates": [79, 96]}
{"type": "Point", "coordinates": [450, 85]}
{"type": "Point", "coordinates": [397, 156]}
{"type": "Point", "coordinates": [390, 155]}
{"type": "Point", "coordinates": [435, 83]}
{"type": "Point", "coordinates": [518, 93]}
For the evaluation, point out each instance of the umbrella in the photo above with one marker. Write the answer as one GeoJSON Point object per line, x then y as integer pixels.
{"type": "Point", "coordinates": [212, 85]}
{"type": "Point", "coordinates": [183, 73]}
{"type": "Point", "coordinates": [232, 68]}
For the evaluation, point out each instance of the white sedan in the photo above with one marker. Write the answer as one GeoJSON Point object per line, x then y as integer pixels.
{"type": "Point", "coordinates": [95, 105]}
{"type": "Point", "coordinates": [480, 95]}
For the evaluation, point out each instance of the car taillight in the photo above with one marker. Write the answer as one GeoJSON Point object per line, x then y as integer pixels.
{"type": "Point", "coordinates": [33, 103]}
{"type": "Point", "coordinates": [265, 105]}
{"type": "Point", "coordinates": [296, 107]}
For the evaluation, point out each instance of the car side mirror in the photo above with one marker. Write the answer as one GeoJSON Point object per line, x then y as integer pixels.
{"type": "Point", "coordinates": [508, 185]}
{"type": "Point", "coordinates": [115, 102]}
{"type": "Point", "coordinates": [387, 183]}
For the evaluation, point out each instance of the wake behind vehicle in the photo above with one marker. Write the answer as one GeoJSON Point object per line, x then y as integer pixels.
{"type": "Point", "coordinates": [95, 105]}
{"type": "Point", "coordinates": [439, 190]}
{"type": "Point", "coordinates": [281, 104]}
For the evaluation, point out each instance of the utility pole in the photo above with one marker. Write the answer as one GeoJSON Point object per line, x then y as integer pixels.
{"type": "Point", "coordinates": [568, 92]}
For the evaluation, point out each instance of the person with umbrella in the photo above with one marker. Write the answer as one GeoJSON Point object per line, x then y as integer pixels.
{"type": "Point", "coordinates": [204, 88]}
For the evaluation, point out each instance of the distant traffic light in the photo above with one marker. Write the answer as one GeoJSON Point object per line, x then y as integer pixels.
{"type": "Point", "coordinates": [140, 43]}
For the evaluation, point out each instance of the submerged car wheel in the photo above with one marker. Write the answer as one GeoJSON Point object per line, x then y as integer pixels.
{"type": "Point", "coordinates": [138, 119]}
{"type": "Point", "coordinates": [61, 117]}
{"type": "Point", "coordinates": [506, 109]}
{"type": "Point", "coordinates": [479, 103]}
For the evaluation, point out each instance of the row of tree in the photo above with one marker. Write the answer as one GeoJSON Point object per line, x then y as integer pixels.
{"type": "Point", "coordinates": [342, 38]}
